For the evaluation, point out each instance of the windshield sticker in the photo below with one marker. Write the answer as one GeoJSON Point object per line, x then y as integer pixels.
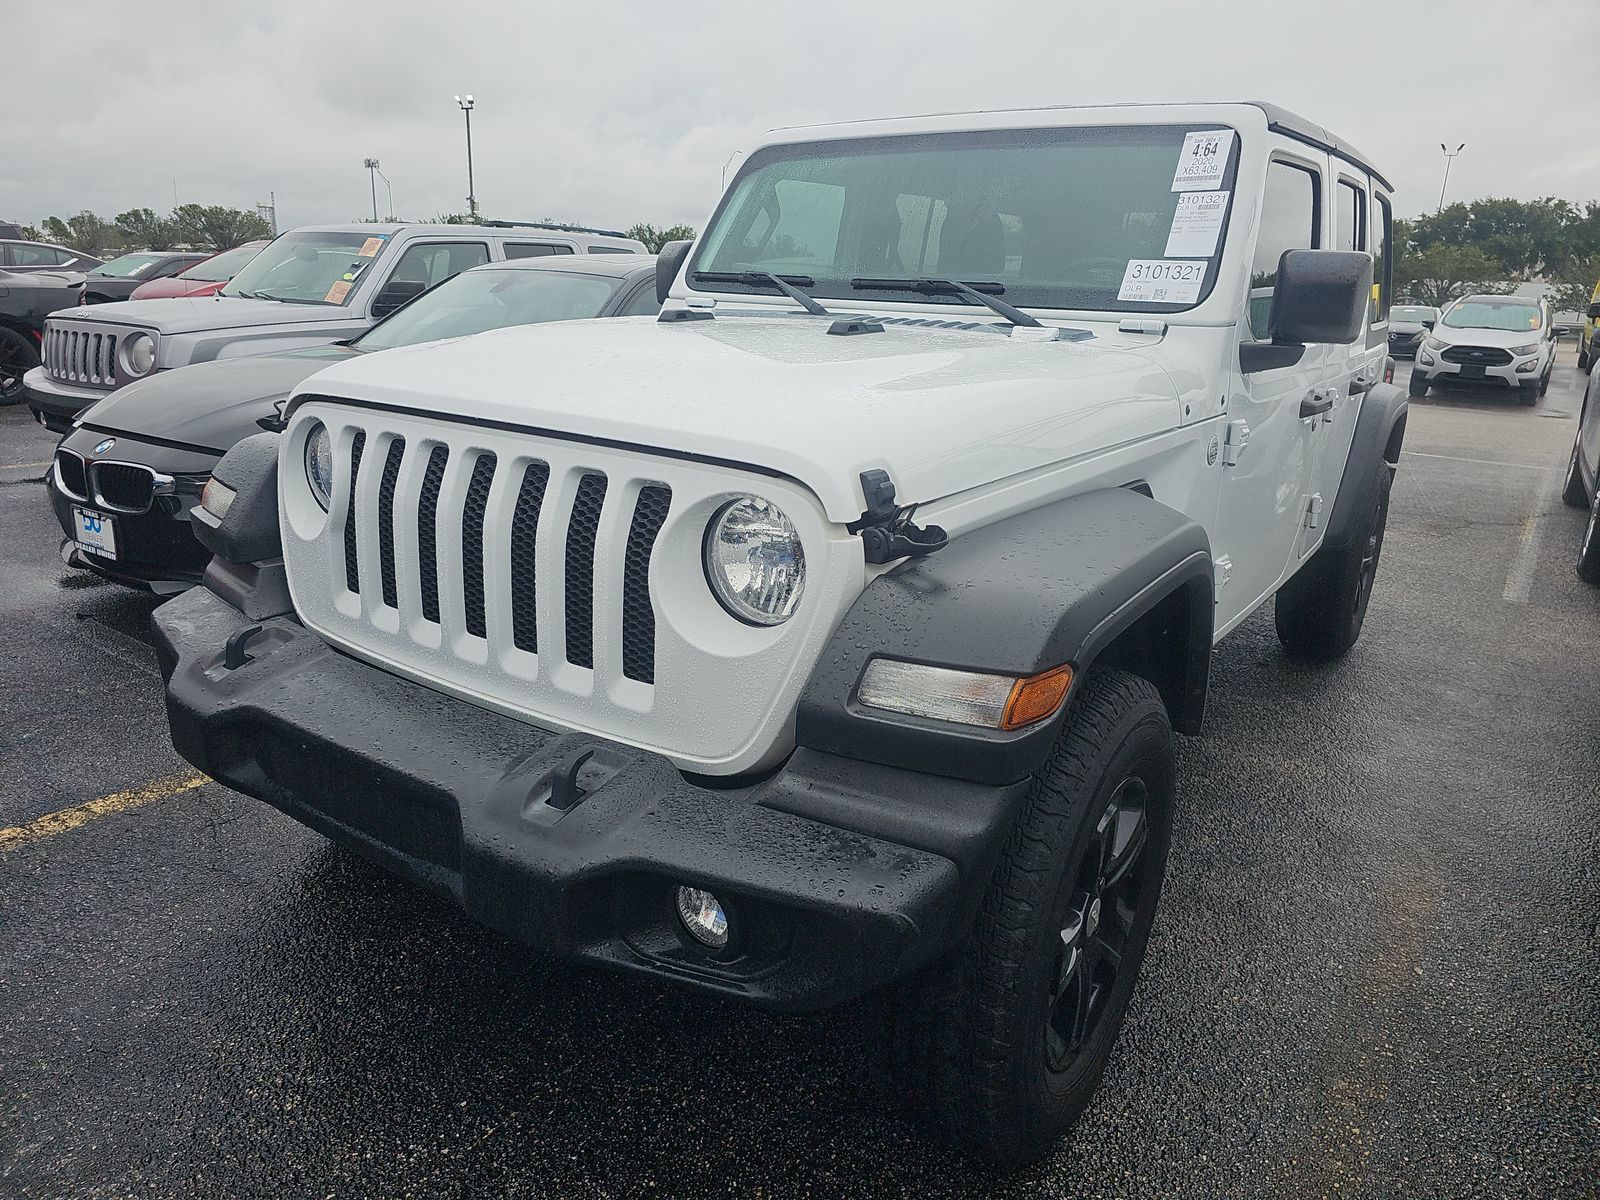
{"type": "Point", "coordinates": [1203, 160]}
{"type": "Point", "coordinates": [370, 247]}
{"type": "Point", "coordinates": [1196, 224]}
{"type": "Point", "coordinates": [337, 292]}
{"type": "Point", "coordinates": [1162, 281]}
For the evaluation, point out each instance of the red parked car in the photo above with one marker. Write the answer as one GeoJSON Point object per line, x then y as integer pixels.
{"type": "Point", "coordinates": [203, 278]}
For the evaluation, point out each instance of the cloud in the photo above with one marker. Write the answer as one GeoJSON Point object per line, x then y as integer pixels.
{"type": "Point", "coordinates": [628, 111]}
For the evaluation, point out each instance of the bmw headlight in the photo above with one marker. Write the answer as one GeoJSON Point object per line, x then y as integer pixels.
{"type": "Point", "coordinates": [319, 463]}
{"type": "Point", "coordinates": [1434, 343]}
{"type": "Point", "coordinates": [1530, 348]}
{"type": "Point", "coordinates": [139, 354]}
{"type": "Point", "coordinates": [754, 561]}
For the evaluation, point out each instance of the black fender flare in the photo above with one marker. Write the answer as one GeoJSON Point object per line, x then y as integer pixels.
{"type": "Point", "coordinates": [1374, 447]}
{"type": "Point", "coordinates": [1055, 585]}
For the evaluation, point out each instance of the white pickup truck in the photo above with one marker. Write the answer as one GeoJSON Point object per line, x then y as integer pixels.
{"type": "Point", "coordinates": [829, 634]}
{"type": "Point", "coordinates": [308, 287]}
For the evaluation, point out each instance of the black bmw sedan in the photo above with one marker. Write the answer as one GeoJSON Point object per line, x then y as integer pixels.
{"type": "Point", "coordinates": [124, 479]}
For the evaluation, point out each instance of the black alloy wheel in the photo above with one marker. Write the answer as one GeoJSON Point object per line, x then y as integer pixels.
{"type": "Point", "coordinates": [1107, 904]}
{"type": "Point", "coordinates": [17, 358]}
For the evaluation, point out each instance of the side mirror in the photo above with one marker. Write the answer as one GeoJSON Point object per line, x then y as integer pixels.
{"type": "Point", "coordinates": [1428, 324]}
{"type": "Point", "coordinates": [1320, 297]}
{"type": "Point", "coordinates": [668, 263]}
{"type": "Point", "coordinates": [396, 294]}
{"type": "Point", "coordinates": [1593, 311]}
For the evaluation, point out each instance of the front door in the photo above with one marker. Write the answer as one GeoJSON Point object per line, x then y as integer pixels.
{"type": "Point", "coordinates": [1268, 448]}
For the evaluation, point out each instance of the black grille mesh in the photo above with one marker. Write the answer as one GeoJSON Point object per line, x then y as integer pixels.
{"type": "Point", "coordinates": [1489, 356]}
{"type": "Point", "coordinates": [524, 535]}
{"type": "Point", "coordinates": [69, 470]}
{"type": "Point", "coordinates": [472, 543]}
{"type": "Point", "coordinates": [638, 617]}
{"type": "Point", "coordinates": [428, 530]}
{"type": "Point", "coordinates": [122, 486]}
{"type": "Point", "coordinates": [391, 473]}
{"type": "Point", "coordinates": [352, 574]}
{"type": "Point", "coordinates": [580, 569]}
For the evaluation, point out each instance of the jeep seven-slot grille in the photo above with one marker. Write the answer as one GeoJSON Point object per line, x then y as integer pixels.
{"type": "Point", "coordinates": [483, 528]}
{"type": "Point", "coordinates": [80, 354]}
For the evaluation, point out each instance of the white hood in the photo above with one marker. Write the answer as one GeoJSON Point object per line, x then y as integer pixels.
{"type": "Point", "coordinates": [942, 410]}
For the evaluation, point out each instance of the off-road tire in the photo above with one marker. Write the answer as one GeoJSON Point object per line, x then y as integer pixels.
{"type": "Point", "coordinates": [1588, 565]}
{"type": "Point", "coordinates": [1418, 384]}
{"type": "Point", "coordinates": [17, 357]}
{"type": "Point", "coordinates": [1528, 394]}
{"type": "Point", "coordinates": [1320, 611]}
{"type": "Point", "coordinates": [1572, 493]}
{"type": "Point", "coordinates": [969, 1039]}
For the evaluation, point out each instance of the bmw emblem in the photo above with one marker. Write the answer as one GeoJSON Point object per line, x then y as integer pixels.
{"type": "Point", "coordinates": [102, 447]}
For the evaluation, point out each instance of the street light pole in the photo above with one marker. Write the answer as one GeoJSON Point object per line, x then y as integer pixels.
{"type": "Point", "coordinates": [1449, 156]}
{"type": "Point", "coordinates": [472, 196]}
{"type": "Point", "coordinates": [371, 165]}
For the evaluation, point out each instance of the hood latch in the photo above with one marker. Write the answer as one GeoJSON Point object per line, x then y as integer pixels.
{"type": "Point", "coordinates": [886, 529]}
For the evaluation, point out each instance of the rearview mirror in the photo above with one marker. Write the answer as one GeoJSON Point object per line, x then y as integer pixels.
{"type": "Point", "coordinates": [668, 263]}
{"type": "Point", "coordinates": [1320, 297]}
{"type": "Point", "coordinates": [396, 293]}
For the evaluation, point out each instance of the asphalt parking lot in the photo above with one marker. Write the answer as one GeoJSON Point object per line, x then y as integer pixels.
{"type": "Point", "coordinates": [1374, 973]}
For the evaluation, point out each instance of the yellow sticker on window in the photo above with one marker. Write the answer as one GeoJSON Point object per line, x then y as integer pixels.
{"type": "Point", "coordinates": [337, 292]}
{"type": "Point", "coordinates": [370, 247]}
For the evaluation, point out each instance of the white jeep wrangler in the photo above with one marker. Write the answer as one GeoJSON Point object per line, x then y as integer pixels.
{"type": "Point", "coordinates": [828, 634]}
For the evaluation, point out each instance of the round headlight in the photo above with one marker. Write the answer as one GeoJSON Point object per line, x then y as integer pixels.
{"type": "Point", "coordinates": [754, 561]}
{"type": "Point", "coordinates": [319, 463]}
{"type": "Point", "coordinates": [139, 354]}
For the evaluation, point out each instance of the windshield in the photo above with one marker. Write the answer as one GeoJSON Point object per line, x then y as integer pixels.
{"type": "Point", "coordinates": [310, 267]}
{"type": "Point", "coordinates": [223, 266]}
{"type": "Point", "coordinates": [129, 266]}
{"type": "Point", "coordinates": [1125, 219]}
{"type": "Point", "coordinates": [1512, 316]}
{"type": "Point", "coordinates": [491, 298]}
{"type": "Point", "coordinates": [1402, 312]}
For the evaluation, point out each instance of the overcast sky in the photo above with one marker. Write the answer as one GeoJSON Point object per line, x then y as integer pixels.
{"type": "Point", "coordinates": [612, 113]}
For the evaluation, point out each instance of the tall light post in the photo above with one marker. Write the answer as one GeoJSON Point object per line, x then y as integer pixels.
{"type": "Point", "coordinates": [472, 197]}
{"type": "Point", "coordinates": [371, 164]}
{"type": "Point", "coordinates": [1449, 157]}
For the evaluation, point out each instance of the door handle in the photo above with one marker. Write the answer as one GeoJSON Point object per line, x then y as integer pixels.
{"type": "Point", "coordinates": [1315, 404]}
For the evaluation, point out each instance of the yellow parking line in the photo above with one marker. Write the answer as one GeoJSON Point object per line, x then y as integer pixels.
{"type": "Point", "coordinates": [22, 466]}
{"type": "Point", "coordinates": [70, 818]}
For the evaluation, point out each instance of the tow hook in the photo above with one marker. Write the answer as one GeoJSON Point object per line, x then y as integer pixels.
{"type": "Point", "coordinates": [886, 529]}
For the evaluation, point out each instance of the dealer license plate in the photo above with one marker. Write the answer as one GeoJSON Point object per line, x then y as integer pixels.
{"type": "Point", "coordinates": [94, 532]}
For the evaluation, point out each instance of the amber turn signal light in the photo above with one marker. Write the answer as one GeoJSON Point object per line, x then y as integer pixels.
{"type": "Point", "coordinates": [1036, 697]}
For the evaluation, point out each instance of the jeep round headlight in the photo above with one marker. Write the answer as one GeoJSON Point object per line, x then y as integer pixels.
{"type": "Point", "coordinates": [319, 463]}
{"type": "Point", "coordinates": [139, 354]}
{"type": "Point", "coordinates": [754, 561]}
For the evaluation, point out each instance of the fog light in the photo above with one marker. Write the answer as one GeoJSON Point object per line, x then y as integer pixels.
{"type": "Point", "coordinates": [702, 915]}
{"type": "Point", "coordinates": [1425, 359]}
{"type": "Point", "coordinates": [1528, 366]}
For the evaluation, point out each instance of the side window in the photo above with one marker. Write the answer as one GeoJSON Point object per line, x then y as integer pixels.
{"type": "Point", "coordinates": [610, 250]}
{"type": "Point", "coordinates": [1383, 253]}
{"type": "Point", "coordinates": [429, 263]}
{"type": "Point", "coordinates": [642, 303]}
{"type": "Point", "coordinates": [1349, 231]}
{"type": "Point", "coordinates": [535, 249]}
{"type": "Point", "coordinates": [24, 255]}
{"type": "Point", "coordinates": [1290, 220]}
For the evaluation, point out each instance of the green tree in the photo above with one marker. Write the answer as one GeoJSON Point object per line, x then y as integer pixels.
{"type": "Point", "coordinates": [654, 238]}
{"type": "Point", "coordinates": [1440, 274]}
{"type": "Point", "coordinates": [85, 232]}
{"type": "Point", "coordinates": [1527, 238]}
{"type": "Point", "coordinates": [141, 227]}
{"type": "Point", "coordinates": [216, 226]}
{"type": "Point", "coordinates": [32, 233]}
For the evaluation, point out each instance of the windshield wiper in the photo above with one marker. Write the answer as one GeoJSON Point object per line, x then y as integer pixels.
{"type": "Point", "coordinates": [784, 283]}
{"type": "Point", "coordinates": [281, 299]}
{"type": "Point", "coordinates": [951, 287]}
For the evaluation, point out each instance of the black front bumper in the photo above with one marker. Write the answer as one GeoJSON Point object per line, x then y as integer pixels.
{"type": "Point", "coordinates": [837, 876]}
{"type": "Point", "coordinates": [157, 550]}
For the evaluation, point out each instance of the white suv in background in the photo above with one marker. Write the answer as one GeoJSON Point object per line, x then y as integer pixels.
{"type": "Point", "coordinates": [1479, 339]}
